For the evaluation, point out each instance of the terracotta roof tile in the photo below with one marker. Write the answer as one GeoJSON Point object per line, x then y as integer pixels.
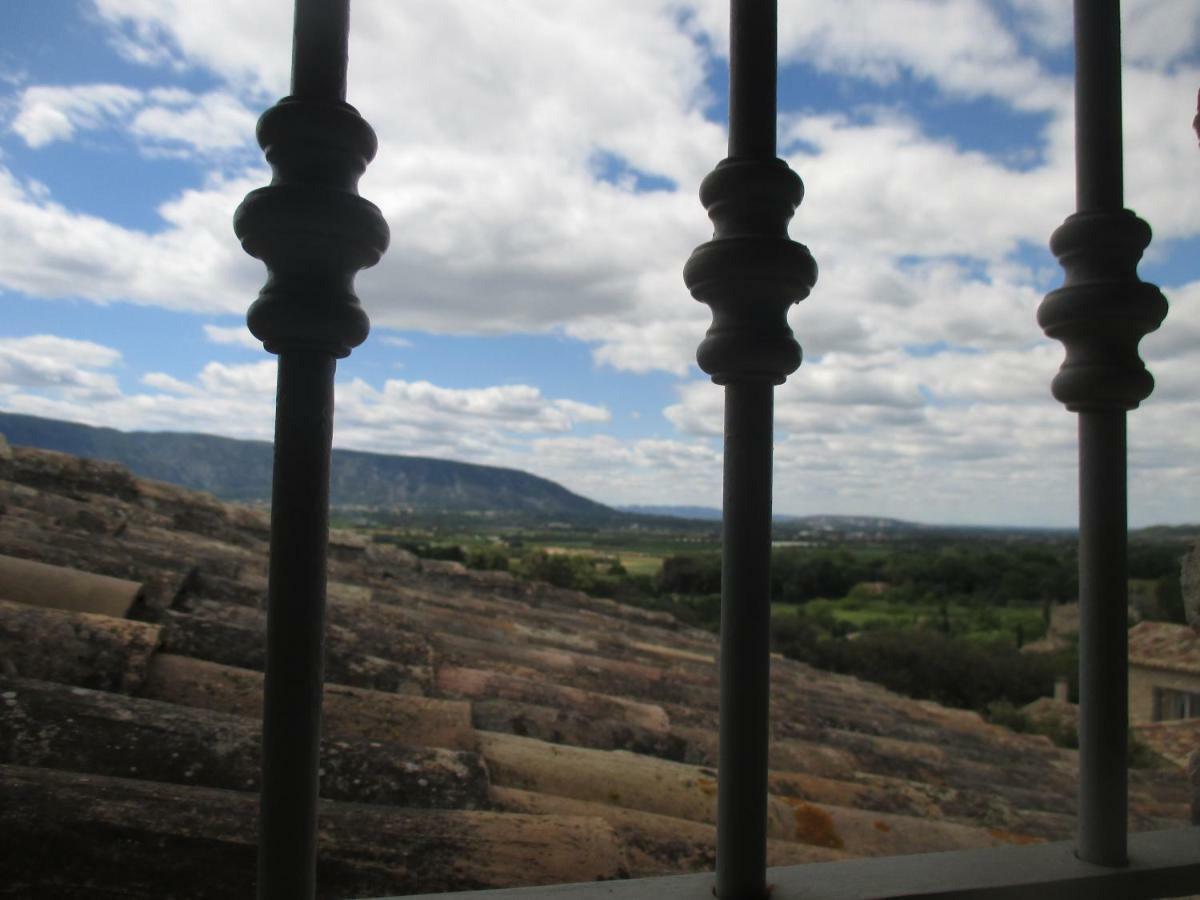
{"type": "Point", "coordinates": [1162, 645]}
{"type": "Point", "coordinates": [568, 706]}
{"type": "Point", "coordinates": [1172, 740]}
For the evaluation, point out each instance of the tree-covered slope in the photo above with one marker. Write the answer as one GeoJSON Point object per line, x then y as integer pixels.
{"type": "Point", "coordinates": [241, 470]}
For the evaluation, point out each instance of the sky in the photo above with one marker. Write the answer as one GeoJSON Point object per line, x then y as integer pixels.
{"type": "Point", "coordinates": [539, 164]}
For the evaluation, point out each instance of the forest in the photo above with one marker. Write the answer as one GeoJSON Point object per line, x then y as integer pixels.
{"type": "Point", "coordinates": [947, 618]}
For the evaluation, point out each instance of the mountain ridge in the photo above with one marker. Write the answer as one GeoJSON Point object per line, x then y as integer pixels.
{"type": "Point", "coordinates": [240, 470]}
{"type": "Point", "coordinates": [818, 521]}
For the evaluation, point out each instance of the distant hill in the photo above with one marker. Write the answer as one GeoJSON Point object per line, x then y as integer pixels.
{"type": "Point", "coordinates": [873, 524]}
{"type": "Point", "coordinates": [809, 523]}
{"type": "Point", "coordinates": [241, 471]}
{"type": "Point", "coordinates": [701, 513]}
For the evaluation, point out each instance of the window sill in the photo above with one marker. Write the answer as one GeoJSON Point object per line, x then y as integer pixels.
{"type": "Point", "coordinates": [1162, 864]}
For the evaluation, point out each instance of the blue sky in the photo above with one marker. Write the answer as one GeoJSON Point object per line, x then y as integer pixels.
{"type": "Point", "coordinates": [538, 166]}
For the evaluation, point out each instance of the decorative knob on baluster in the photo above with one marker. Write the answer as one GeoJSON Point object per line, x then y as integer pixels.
{"type": "Point", "coordinates": [1102, 311]}
{"type": "Point", "coordinates": [751, 272]}
{"type": "Point", "coordinates": [311, 228]}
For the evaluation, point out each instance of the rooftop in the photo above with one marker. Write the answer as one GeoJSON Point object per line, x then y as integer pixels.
{"type": "Point", "coordinates": [1174, 740]}
{"type": "Point", "coordinates": [1162, 645]}
{"type": "Point", "coordinates": [479, 731]}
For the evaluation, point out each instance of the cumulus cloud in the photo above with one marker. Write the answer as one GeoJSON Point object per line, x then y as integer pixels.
{"type": "Point", "coordinates": [76, 369]}
{"type": "Point", "coordinates": [47, 114]}
{"type": "Point", "coordinates": [235, 336]}
{"type": "Point", "coordinates": [162, 120]}
{"type": "Point", "coordinates": [203, 123]}
{"type": "Point", "coordinates": [1160, 33]}
{"type": "Point", "coordinates": [248, 44]}
{"type": "Point", "coordinates": [962, 46]}
{"type": "Point", "coordinates": [882, 189]}
{"type": "Point", "coordinates": [647, 470]}
{"type": "Point", "coordinates": [888, 433]}
{"type": "Point", "coordinates": [938, 468]}
{"type": "Point", "coordinates": [1179, 337]}
{"type": "Point", "coordinates": [517, 407]}
{"type": "Point", "coordinates": [503, 221]}
{"type": "Point", "coordinates": [1160, 148]}
{"type": "Point", "coordinates": [71, 379]}
{"type": "Point", "coordinates": [190, 264]}
{"type": "Point", "coordinates": [510, 180]}
{"type": "Point", "coordinates": [1154, 33]}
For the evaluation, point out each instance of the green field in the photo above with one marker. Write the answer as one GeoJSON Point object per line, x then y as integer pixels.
{"type": "Point", "coordinates": [637, 563]}
{"type": "Point", "coordinates": [639, 553]}
{"type": "Point", "coordinates": [943, 617]}
{"type": "Point", "coordinates": [973, 621]}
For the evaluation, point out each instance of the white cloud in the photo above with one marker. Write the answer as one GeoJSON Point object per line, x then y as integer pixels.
{"type": "Point", "coordinates": [49, 375]}
{"type": "Point", "coordinates": [1154, 33]}
{"type": "Point", "coordinates": [47, 114]}
{"type": "Point", "coordinates": [247, 379]}
{"type": "Point", "coordinates": [206, 123]}
{"type": "Point", "coordinates": [1160, 33]}
{"type": "Point", "coordinates": [1160, 149]}
{"type": "Point", "coordinates": [235, 335]}
{"type": "Point", "coordinates": [883, 432]}
{"type": "Point", "coordinates": [1046, 22]}
{"type": "Point", "coordinates": [515, 408]}
{"type": "Point", "coordinates": [960, 45]}
{"type": "Point", "coordinates": [71, 367]}
{"type": "Point", "coordinates": [882, 189]}
{"type": "Point", "coordinates": [161, 381]}
{"type": "Point", "coordinates": [616, 471]}
{"type": "Point", "coordinates": [191, 264]}
{"type": "Point", "coordinates": [488, 170]}
{"type": "Point", "coordinates": [248, 43]}
{"type": "Point", "coordinates": [667, 341]}
{"type": "Point", "coordinates": [163, 120]}
{"type": "Point", "coordinates": [1179, 336]}
{"type": "Point", "coordinates": [508, 179]}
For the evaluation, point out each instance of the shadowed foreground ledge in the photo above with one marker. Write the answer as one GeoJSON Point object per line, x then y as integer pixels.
{"type": "Point", "coordinates": [1161, 864]}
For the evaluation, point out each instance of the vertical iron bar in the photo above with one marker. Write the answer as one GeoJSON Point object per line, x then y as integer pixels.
{"type": "Point", "coordinates": [295, 625]}
{"type": "Point", "coordinates": [750, 274]}
{"type": "Point", "coordinates": [1103, 638]}
{"type": "Point", "coordinates": [320, 49]}
{"type": "Point", "coordinates": [753, 37]}
{"type": "Point", "coordinates": [745, 641]}
{"type": "Point", "coordinates": [318, 147]}
{"type": "Point", "coordinates": [746, 513]}
{"type": "Point", "coordinates": [1103, 588]}
{"type": "Point", "coordinates": [1101, 313]}
{"type": "Point", "coordinates": [296, 582]}
{"type": "Point", "coordinates": [1098, 157]}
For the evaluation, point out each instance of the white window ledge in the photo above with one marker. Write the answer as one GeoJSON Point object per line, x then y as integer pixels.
{"type": "Point", "coordinates": [1162, 864]}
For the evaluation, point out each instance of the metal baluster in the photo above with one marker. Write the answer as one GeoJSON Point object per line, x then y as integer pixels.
{"type": "Point", "coordinates": [314, 233]}
{"type": "Point", "coordinates": [749, 274]}
{"type": "Point", "coordinates": [1100, 314]}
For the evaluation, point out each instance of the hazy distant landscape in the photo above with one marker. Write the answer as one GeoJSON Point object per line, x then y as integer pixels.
{"type": "Point", "coordinates": [376, 486]}
{"type": "Point", "coordinates": [241, 471]}
{"type": "Point", "coordinates": [942, 612]}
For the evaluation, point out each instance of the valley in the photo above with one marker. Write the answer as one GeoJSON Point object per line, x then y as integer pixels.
{"type": "Point", "coordinates": [851, 594]}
